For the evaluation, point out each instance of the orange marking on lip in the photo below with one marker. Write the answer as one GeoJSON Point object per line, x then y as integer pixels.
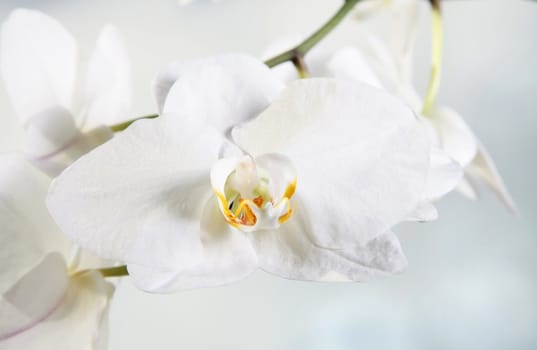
{"type": "Point", "coordinates": [248, 217]}
{"type": "Point", "coordinates": [258, 201]}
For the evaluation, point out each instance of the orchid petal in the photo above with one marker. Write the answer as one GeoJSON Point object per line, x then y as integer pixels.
{"type": "Point", "coordinates": [404, 22]}
{"type": "Point", "coordinates": [227, 257]}
{"type": "Point", "coordinates": [281, 171]}
{"type": "Point", "coordinates": [76, 322]}
{"type": "Point", "coordinates": [483, 168]}
{"type": "Point", "coordinates": [290, 252]}
{"type": "Point", "coordinates": [38, 62]}
{"type": "Point", "coordinates": [221, 91]}
{"type": "Point", "coordinates": [389, 71]}
{"type": "Point", "coordinates": [350, 63]}
{"type": "Point", "coordinates": [395, 28]}
{"type": "Point", "coordinates": [366, 8]}
{"type": "Point", "coordinates": [27, 232]}
{"type": "Point", "coordinates": [444, 174]}
{"type": "Point", "coordinates": [139, 194]}
{"type": "Point", "coordinates": [361, 156]}
{"type": "Point", "coordinates": [382, 61]}
{"type": "Point", "coordinates": [467, 188]}
{"type": "Point", "coordinates": [455, 136]}
{"type": "Point", "coordinates": [108, 82]}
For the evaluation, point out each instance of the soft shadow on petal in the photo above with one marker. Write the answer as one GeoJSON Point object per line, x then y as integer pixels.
{"type": "Point", "coordinates": [289, 252]}
{"type": "Point", "coordinates": [53, 141]}
{"type": "Point", "coordinates": [227, 256]}
{"type": "Point", "coordinates": [29, 301]}
{"type": "Point", "coordinates": [38, 62]}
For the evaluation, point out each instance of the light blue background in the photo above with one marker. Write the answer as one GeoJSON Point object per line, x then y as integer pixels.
{"type": "Point", "coordinates": [472, 279]}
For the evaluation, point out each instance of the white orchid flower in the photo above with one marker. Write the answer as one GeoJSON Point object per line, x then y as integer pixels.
{"type": "Point", "coordinates": [305, 182]}
{"type": "Point", "coordinates": [43, 305]}
{"type": "Point", "coordinates": [63, 117]}
{"type": "Point", "coordinates": [387, 64]}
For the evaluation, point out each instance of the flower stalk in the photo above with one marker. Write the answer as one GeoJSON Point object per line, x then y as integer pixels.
{"type": "Point", "coordinates": [436, 59]}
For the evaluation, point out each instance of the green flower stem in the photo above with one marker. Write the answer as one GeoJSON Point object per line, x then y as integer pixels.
{"type": "Point", "coordinates": [436, 59]}
{"type": "Point", "coordinates": [313, 39]}
{"type": "Point", "coordinates": [125, 125]}
{"type": "Point", "coordinates": [116, 271]}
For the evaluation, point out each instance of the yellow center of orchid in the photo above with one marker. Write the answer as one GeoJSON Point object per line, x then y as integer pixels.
{"type": "Point", "coordinates": [249, 199]}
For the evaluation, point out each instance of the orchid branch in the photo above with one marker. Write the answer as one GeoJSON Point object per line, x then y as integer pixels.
{"type": "Point", "coordinates": [294, 55]}
{"type": "Point", "coordinates": [304, 47]}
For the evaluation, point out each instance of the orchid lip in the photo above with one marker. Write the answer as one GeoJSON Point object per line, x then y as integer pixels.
{"type": "Point", "coordinates": [244, 216]}
{"type": "Point", "coordinates": [252, 197]}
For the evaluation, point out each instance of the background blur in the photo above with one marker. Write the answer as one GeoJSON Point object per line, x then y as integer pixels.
{"type": "Point", "coordinates": [472, 279]}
